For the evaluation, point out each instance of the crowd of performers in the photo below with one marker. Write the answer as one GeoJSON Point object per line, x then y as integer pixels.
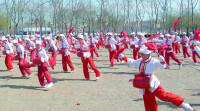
{"type": "Point", "coordinates": [85, 46]}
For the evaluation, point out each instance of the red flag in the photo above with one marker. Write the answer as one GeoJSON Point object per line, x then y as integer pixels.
{"type": "Point", "coordinates": [176, 22]}
{"type": "Point", "coordinates": [124, 34]}
{"type": "Point", "coordinates": [10, 32]}
{"type": "Point", "coordinates": [154, 36]}
{"type": "Point", "coordinates": [1, 33]}
{"type": "Point", "coordinates": [101, 30]}
{"type": "Point", "coordinates": [167, 31]}
{"type": "Point", "coordinates": [113, 31]}
{"type": "Point", "coordinates": [37, 32]}
{"type": "Point", "coordinates": [151, 37]}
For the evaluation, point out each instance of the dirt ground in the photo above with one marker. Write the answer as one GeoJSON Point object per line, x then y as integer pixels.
{"type": "Point", "coordinates": [113, 92]}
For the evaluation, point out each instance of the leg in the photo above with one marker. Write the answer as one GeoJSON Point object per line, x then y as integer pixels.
{"type": "Point", "coordinates": [149, 101]}
{"type": "Point", "coordinates": [41, 75]}
{"type": "Point", "coordinates": [64, 63]}
{"type": "Point", "coordinates": [188, 54]}
{"type": "Point", "coordinates": [194, 57]}
{"type": "Point", "coordinates": [46, 72]}
{"type": "Point", "coordinates": [32, 55]}
{"type": "Point", "coordinates": [91, 62]}
{"type": "Point", "coordinates": [85, 68]}
{"type": "Point", "coordinates": [95, 51]}
{"type": "Point", "coordinates": [91, 52]}
{"type": "Point", "coordinates": [184, 51]}
{"type": "Point", "coordinates": [8, 62]}
{"type": "Point", "coordinates": [54, 55]}
{"type": "Point", "coordinates": [168, 97]}
{"type": "Point", "coordinates": [68, 59]}
{"type": "Point", "coordinates": [175, 58]}
{"type": "Point", "coordinates": [167, 58]}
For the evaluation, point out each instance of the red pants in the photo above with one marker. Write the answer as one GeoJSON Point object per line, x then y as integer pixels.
{"type": "Point", "coordinates": [173, 46]}
{"type": "Point", "coordinates": [194, 54]}
{"type": "Point", "coordinates": [94, 50]}
{"type": "Point", "coordinates": [185, 52]}
{"type": "Point", "coordinates": [43, 72]}
{"type": "Point", "coordinates": [8, 62]}
{"type": "Point", "coordinates": [172, 55]}
{"type": "Point", "coordinates": [85, 67]}
{"type": "Point", "coordinates": [54, 55]}
{"type": "Point", "coordinates": [24, 70]}
{"type": "Point", "coordinates": [161, 52]}
{"type": "Point", "coordinates": [112, 55]}
{"type": "Point", "coordinates": [32, 55]}
{"type": "Point", "coordinates": [66, 60]}
{"type": "Point", "coordinates": [177, 48]}
{"type": "Point", "coordinates": [135, 54]}
{"type": "Point", "coordinates": [150, 100]}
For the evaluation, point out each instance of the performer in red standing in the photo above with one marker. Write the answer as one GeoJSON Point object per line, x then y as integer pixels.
{"type": "Point", "coordinates": [92, 44]}
{"type": "Point", "coordinates": [64, 47]}
{"type": "Point", "coordinates": [8, 51]}
{"type": "Point", "coordinates": [147, 66]}
{"type": "Point", "coordinates": [195, 42]}
{"type": "Point", "coordinates": [176, 43]}
{"type": "Point", "coordinates": [134, 40]}
{"type": "Point", "coordinates": [111, 46]}
{"type": "Point", "coordinates": [51, 47]}
{"type": "Point", "coordinates": [184, 41]}
{"type": "Point", "coordinates": [31, 48]}
{"type": "Point", "coordinates": [21, 55]}
{"type": "Point", "coordinates": [169, 51]}
{"type": "Point", "coordinates": [42, 67]}
{"type": "Point", "coordinates": [84, 53]}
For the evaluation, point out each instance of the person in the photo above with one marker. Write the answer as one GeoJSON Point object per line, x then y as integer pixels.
{"type": "Point", "coordinates": [65, 47]}
{"type": "Point", "coordinates": [30, 45]}
{"type": "Point", "coordinates": [42, 67]}
{"type": "Point", "coordinates": [51, 47]}
{"type": "Point", "coordinates": [169, 51]}
{"type": "Point", "coordinates": [111, 46]}
{"type": "Point", "coordinates": [184, 41]}
{"type": "Point", "coordinates": [92, 44]}
{"type": "Point", "coordinates": [194, 42]}
{"type": "Point", "coordinates": [176, 43]}
{"type": "Point", "coordinates": [134, 40]}
{"type": "Point", "coordinates": [84, 53]}
{"type": "Point", "coordinates": [147, 66]}
{"type": "Point", "coordinates": [140, 42]}
{"type": "Point", "coordinates": [21, 55]}
{"type": "Point", "coordinates": [9, 52]}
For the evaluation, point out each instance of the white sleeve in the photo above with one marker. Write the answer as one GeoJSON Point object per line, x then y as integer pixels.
{"type": "Point", "coordinates": [54, 46]}
{"type": "Point", "coordinates": [45, 56]}
{"type": "Point", "coordinates": [134, 63]}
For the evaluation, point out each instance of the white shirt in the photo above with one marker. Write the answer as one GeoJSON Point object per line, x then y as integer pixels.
{"type": "Point", "coordinates": [31, 45]}
{"type": "Point", "coordinates": [64, 44]}
{"type": "Point", "coordinates": [151, 67]}
{"type": "Point", "coordinates": [84, 47]}
{"type": "Point", "coordinates": [92, 42]}
{"type": "Point", "coordinates": [41, 53]}
{"type": "Point", "coordinates": [195, 42]}
{"type": "Point", "coordinates": [9, 48]}
{"type": "Point", "coordinates": [51, 45]}
{"type": "Point", "coordinates": [139, 43]}
{"type": "Point", "coordinates": [21, 51]}
{"type": "Point", "coordinates": [111, 42]}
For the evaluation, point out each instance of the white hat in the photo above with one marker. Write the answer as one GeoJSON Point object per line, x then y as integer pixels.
{"type": "Point", "coordinates": [133, 33]}
{"type": "Point", "coordinates": [167, 35]}
{"type": "Point", "coordinates": [48, 38]}
{"type": "Point", "coordinates": [8, 36]}
{"type": "Point", "coordinates": [38, 42]}
{"type": "Point", "coordinates": [115, 33]}
{"type": "Point", "coordinates": [62, 35]}
{"type": "Point", "coordinates": [191, 33]}
{"type": "Point", "coordinates": [27, 39]}
{"type": "Point", "coordinates": [144, 50]}
{"type": "Point", "coordinates": [36, 35]}
{"type": "Point", "coordinates": [71, 34]}
{"type": "Point", "coordinates": [175, 32]}
{"type": "Point", "coordinates": [140, 34]}
{"type": "Point", "coordinates": [184, 33]}
{"type": "Point", "coordinates": [80, 36]}
{"type": "Point", "coordinates": [91, 34]}
{"type": "Point", "coordinates": [3, 38]}
{"type": "Point", "coordinates": [85, 34]}
{"type": "Point", "coordinates": [162, 36]}
{"type": "Point", "coordinates": [14, 41]}
{"type": "Point", "coordinates": [109, 33]}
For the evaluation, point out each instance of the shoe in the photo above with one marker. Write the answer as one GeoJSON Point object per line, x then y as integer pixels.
{"type": "Point", "coordinates": [167, 67]}
{"type": "Point", "coordinates": [25, 77]}
{"type": "Point", "coordinates": [11, 70]}
{"type": "Point", "coordinates": [97, 78]}
{"type": "Point", "coordinates": [43, 86]}
{"type": "Point", "coordinates": [86, 79]}
{"type": "Point", "coordinates": [30, 75]}
{"type": "Point", "coordinates": [72, 71]}
{"type": "Point", "coordinates": [187, 107]}
{"type": "Point", "coordinates": [64, 71]}
{"type": "Point", "coordinates": [49, 85]}
{"type": "Point", "coordinates": [180, 66]}
{"type": "Point", "coordinates": [190, 57]}
{"type": "Point", "coordinates": [196, 64]}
